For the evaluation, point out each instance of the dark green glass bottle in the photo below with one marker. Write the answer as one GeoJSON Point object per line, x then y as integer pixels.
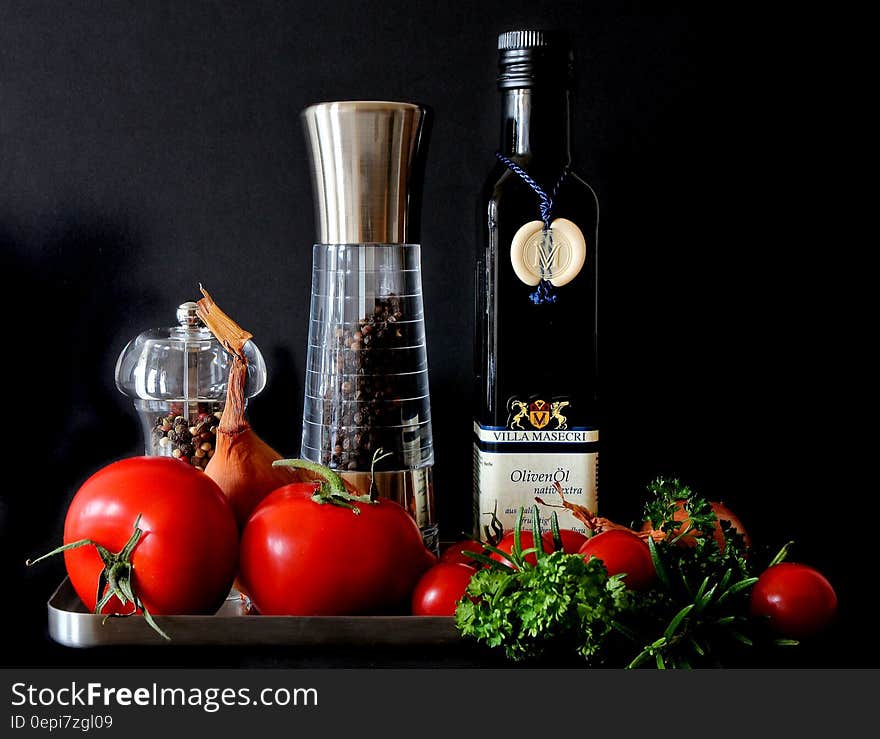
{"type": "Point", "coordinates": [536, 404]}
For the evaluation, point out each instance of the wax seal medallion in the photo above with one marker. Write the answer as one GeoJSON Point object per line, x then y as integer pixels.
{"type": "Point", "coordinates": [555, 255]}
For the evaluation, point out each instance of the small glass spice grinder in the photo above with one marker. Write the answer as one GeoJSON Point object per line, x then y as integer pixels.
{"type": "Point", "coordinates": [366, 386]}
{"type": "Point", "coordinates": [177, 377]}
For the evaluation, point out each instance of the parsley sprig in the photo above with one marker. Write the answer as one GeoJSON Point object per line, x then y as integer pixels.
{"type": "Point", "coordinates": [562, 602]}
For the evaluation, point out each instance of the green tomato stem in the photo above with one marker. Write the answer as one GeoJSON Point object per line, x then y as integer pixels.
{"type": "Point", "coordinates": [332, 489]}
{"type": "Point", "coordinates": [116, 575]}
{"type": "Point", "coordinates": [329, 477]}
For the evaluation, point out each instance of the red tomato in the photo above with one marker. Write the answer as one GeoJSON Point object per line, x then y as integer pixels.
{"type": "Point", "coordinates": [797, 600]}
{"type": "Point", "coordinates": [440, 588]}
{"type": "Point", "coordinates": [302, 558]}
{"type": "Point", "coordinates": [526, 542]}
{"type": "Point", "coordinates": [623, 552]}
{"type": "Point", "coordinates": [186, 559]}
{"type": "Point", "coordinates": [572, 541]}
{"type": "Point", "coordinates": [455, 552]}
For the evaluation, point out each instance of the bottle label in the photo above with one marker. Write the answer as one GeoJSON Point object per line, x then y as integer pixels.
{"type": "Point", "coordinates": [556, 255]}
{"type": "Point", "coordinates": [527, 459]}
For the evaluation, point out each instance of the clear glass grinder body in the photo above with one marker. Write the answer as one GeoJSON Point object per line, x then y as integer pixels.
{"type": "Point", "coordinates": [366, 386]}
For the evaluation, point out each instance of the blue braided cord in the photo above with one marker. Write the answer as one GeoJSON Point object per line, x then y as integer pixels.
{"type": "Point", "coordinates": [544, 292]}
{"type": "Point", "coordinates": [546, 200]}
{"type": "Point", "coordinates": [558, 184]}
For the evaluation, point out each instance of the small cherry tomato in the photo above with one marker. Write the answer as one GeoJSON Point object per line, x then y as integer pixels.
{"type": "Point", "coordinates": [455, 552]}
{"type": "Point", "coordinates": [623, 552]}
{"type": "Point", "coordinates": [797, 600]}
{"type": "Point", "coordinates": [572, 541]}
{"type": "Point", "coordinates": [441, 587]}
{"type": "Point", "coordinates": [526, 542]}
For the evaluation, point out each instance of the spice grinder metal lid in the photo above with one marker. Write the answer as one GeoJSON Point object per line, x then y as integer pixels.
{"type": "Point", "coordinates": [367, 161]}
{"type": "Point", "coordinates": [187, 315]}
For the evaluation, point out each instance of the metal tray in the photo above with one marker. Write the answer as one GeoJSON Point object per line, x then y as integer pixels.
{"type": "Point", "coordinates": [72, 625]}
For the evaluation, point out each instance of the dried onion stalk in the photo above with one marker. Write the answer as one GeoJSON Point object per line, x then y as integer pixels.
{"type": "Point", "coordinates": [242, 461]}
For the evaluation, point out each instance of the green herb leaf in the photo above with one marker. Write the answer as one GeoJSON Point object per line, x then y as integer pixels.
{"type": "Point", "coordinates": [537, 541]}
{"type": "Point", "coordinates": [563, 600]}
{"type": "Point", "coordinates": [557, 535]}
{"type": "Point", "coordinates": [517, 538]}
{"type": "Point", "coordinates": [781, 555]}
{"type": "Point", "coordinates": [737, 587]}
{"type": "Point", "coordinates": [658, 565]}
{"type": "Point", "coordinates": [676, 621]}
{"type": "Point", "coordinates": [483, 559]}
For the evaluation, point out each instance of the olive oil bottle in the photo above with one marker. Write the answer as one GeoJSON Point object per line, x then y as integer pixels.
{"type": "Point", "coordinates": [536, 407]}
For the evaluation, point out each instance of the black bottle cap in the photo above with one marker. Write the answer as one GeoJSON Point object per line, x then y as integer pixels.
{"type": "Point", "coordinates": [528, 58]}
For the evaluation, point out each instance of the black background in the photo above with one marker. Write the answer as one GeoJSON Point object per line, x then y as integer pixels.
{"type": "Point", "coordinates": [148, 146]}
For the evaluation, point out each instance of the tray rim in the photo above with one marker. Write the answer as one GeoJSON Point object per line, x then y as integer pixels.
{"type": "Point", "coordinates": [78, 629]}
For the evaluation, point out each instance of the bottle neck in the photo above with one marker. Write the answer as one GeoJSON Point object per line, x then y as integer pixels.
{"type": "Point", "coordinates": [535, 125]}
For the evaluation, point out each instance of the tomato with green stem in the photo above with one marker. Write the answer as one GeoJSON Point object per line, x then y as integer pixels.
{"type": "Point", "coordinates": [323, 551]}
{"type": "Point", "coordinates": [150, 535]}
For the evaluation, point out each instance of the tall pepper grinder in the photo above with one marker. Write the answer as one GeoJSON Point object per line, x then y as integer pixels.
{"type": "Point", "coordinates": [366, 388]}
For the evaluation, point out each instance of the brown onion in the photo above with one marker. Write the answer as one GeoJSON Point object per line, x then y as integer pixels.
{"type": "Point", "coordinates": [722, 513]}
{"type": "Point", "coordinates": [598, 524]}
{"type": "Point", "coordinates": [242, 461]}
